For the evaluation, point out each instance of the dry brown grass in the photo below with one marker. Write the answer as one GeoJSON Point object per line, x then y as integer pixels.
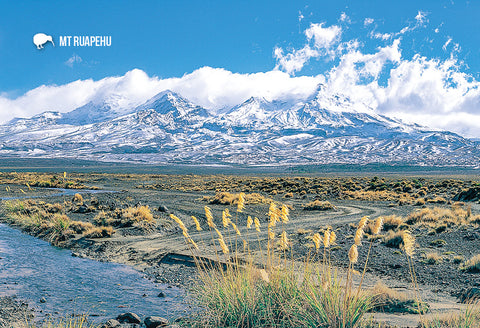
{"type": "Point", "coordinates": [43, 220]}
{"type": "Point", "coordinates": [318, 205]}
{"type": "Point", "coordinates": [140, 217]}
{"type": "Point", "coordinates": [433, 258]}
{"type": "Point", "coordinates": [99, 232]}
{"type": "Point", "coordinates": [227, 198]}
{"type": "Point", "coordinates": [437, 216]}
{"type": "Point", "coordinates": [393, 239]}
{"type": "Point", "coordinates": [77, 198]}
{"type": "Point", "coordinates": [469, 318]}
{"type": "Point", "coordinates": [471, 265]}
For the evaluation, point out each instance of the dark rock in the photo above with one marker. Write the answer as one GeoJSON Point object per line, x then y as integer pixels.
{"type": "Point", "coordinates": [128, 317]}
{"type": "Point", "coordinates": [154, 322]}
{"type": "Point", "coordinates": [469, 295]}
{"type": "Point", "coordinates": [112, 323]}
{"type": "Point", "coordinates": [43, 300]}
{"type": "Point", "coordinates": [163, 208]}
{"type": "Point", "coordinates": [161, 294]}
{"type": "Point", "coordinates": [82, 209]}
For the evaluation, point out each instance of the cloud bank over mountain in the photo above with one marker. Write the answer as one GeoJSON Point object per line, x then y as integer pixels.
{"type": "Point", "coordinates": [434, 92]}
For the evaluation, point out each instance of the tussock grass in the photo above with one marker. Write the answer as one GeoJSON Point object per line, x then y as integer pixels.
{"type": "Point", "coordinates": [438, 216]}
{"type": "Point", "coordinates": [140, 217]}
{"type": "Point", "coordinates": [393, 239]}
{"type": "Point", "coordinates": [469, 318]}
{"type": "Point", "coordinates": [269, 287]}
{"type": "Point", "coordinates": [393, 301]}
{"type": "Point", "coordinates": [471, 265]}
{"type": "Point", "coordinates": [433, 258]}
{"type": "Point", "coordinates": [227, 198]}
{"type": "Point", "coordinates": [318, 205]}
{"type": "Point", "coordinates": [47, 221]}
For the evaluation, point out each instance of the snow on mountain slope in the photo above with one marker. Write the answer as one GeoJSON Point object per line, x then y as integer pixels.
{"type": "Point", "coordinates": [170, 129]}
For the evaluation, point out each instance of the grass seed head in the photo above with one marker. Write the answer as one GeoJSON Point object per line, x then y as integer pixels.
{"type": "Point", "coordinates": [317, 240]}
{"type": "Point", "coordinates": [197, 224]}
{"type": "Point", "coordinates": [179, 222]}
{"type": "Point", "coordinates": [363, 222]}
{"type": "Point", "coordinates": [284, 214]}
{"type": "Point", "coordinates": [358, 237]}
{"type": "Point", "coordinates": [326, 239]}
{"type": "Point", "coordinates": [257, 224]}
{"type": "Point", "coordinates": [249, 222]}
{"type": "Point", "coordinates": [378, 226]}
{"type": "Point", "coordinates": [333, 238]}
{"type": "Point", "coordinates": [408, 243]}
{"type": "Point", "coordinates": [353, 254]}
{"type": "Point", "coordinates": [284, 243]}
{"type": "Point", "coordinates": [209, 216]}
{"type": "Point", "coordinates": [224, 246]}
{"type": "Point", "coordinates": [241, 202]}
{"type": "Point", "coordinates": [273, 214]}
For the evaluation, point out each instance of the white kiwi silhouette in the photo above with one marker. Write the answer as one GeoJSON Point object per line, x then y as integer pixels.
{"type": "Point", "coordinates": [41, 38]}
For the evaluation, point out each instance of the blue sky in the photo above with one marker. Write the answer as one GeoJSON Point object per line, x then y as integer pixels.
{"type": "Point", "coordinates": [167, 39]}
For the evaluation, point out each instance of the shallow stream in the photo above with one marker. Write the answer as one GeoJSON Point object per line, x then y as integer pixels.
{"type": "Point", "coordinates": [53, 281]}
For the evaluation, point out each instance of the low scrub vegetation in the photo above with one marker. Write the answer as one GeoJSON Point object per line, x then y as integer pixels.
{"type": "Point", "coordinates": [139, 217]}
{"type": "Point", "coordinates": [49, 221]}
{"type": "Point", "coordinates": [318, 205]}
{"type": "Point", "coordinates": [471, 265]}
{"type": "Point", "coordinates": [226, 198]}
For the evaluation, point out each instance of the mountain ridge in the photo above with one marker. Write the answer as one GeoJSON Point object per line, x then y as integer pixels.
{"type": "Point", "coordinates": [169, 128]}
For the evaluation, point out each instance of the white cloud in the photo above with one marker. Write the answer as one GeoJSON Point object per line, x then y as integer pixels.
{"type": "Point", "coordinates": [421, 17]}
{"type": "Point", "coordinates": [445, 45]}
{"type": "Point", "coordinates": [323, 37]}
{"type": "Point", "coordinates": [368, 21]}
{"type": "Point", "coordinates": [323, 41]}
{"type": "Point", "coordinates": [344, 18]}
{"type": "Point", "coordinates": [213, 88]}
{"type": "Point", "coordinates": [73, 60]}
{"type": "Point", "coordinates": [381, 36]}
{"type": "Point", "coordinates": [300, 16]}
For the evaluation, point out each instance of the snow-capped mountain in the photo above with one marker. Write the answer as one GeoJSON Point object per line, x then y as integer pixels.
{"type": "Point", "coordinates": [168, 128]}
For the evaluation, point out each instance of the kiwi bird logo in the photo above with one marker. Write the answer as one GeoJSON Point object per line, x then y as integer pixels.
{"type": "Point", "coordinates": [41, 38]}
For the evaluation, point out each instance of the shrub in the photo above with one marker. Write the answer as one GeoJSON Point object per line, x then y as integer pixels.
{"type": "Point", "coordinates": [392, 301]}
{"type": "Point", "coordinates": [99, 232]}
{"type": "Point", "coordinates": [391, 222]}
{"type": "Point", "coordinates": [77, 198]}
{"type": "Point", "coordinates": [318, 205]}
{"type": "Point", "coordinates": [393, 239]}
{"type": "Point", "coordinates": [433, 258]}
{"type": "Point", "coordinates": [472, 265]}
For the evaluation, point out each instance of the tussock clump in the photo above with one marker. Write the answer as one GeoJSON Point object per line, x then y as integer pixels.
{"type": "Point", "coordinates": [469, 318]}
{"type": "Point", "coordinates": [392, 222]}
{"type": "Point", "coordinates": [393, 239]}
{"type": "Point", "coordinates": [80, 226]}
{"type": "Point", "coordinates": [99, 232]}
{"type": "Point", "coordinates": [433, 258]}
{"type": "Point", "coordinates": [77, 198]}
{"type": "Point", "coordinates": [391, 301]}
{"type": "Point", "coordinates": [438, 216]}
{"type": "Point", "coordinates": [318, 205]}
{"type": "Point", "coordinates": [226, 198]}
{"type": "Point", "coordinates": [437, 200]}
{"type": "Point", "coordinates": [471, 265]}
{"type": "Point", "coordinates": [139, 217]}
